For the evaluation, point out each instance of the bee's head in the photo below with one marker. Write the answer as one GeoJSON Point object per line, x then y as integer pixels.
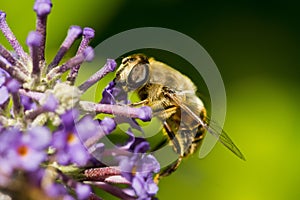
{"type": "Point", "coordinates": [133, 72]}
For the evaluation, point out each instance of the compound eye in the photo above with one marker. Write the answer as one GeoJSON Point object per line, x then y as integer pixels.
{"type": "Point", "coordinates": [138, 76]}
{"type": "Point", "coordinates": [128, 60]}
{"type": "Point", "coordinates": [132, 59]}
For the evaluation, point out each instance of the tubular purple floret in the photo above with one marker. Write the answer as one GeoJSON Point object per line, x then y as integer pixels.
{"type": "Point", "coordinates": [2, 16]}
{"type": "Point", "coordinates": [88, 32]}
{"type": "Point", "coordinates": [56, 72]}
{"type": "Point", "coordinates": [88, 53]}
{"type": "Point", "coordinates": [11, 38]}
{"type": "Point", "coordinates": [108, 67]}
{"type": "Point", "coordinates": [69, 131]}
{"type": "Point", "coordinates": [13, 86]}
{"type": "Point", "coordinates": [87, 35]}
{"type": "Point", "coordinates": [111, 64]}
{"type": "Point", "coordinates": [108, 125]}
{"type": "Point", "coordinates": [11, 60]}
{"type": "Point", "coordinates": [145, 114]}
{"type": "Point", "coordinates": [42, 7]}
{"type": "Point", "coordinates": [34, 39]}
{"type": "Point", "coordinates": [14, 72]}
{"type": "Point", "coordinates": [73, 33]}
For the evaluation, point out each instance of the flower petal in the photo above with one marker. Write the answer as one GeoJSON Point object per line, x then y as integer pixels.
{"type": "Point", "coordinates": [40, 137]}
{"type": "Point", "coordinates": [3, 95]}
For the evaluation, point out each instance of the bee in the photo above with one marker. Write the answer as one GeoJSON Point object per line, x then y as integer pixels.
{"type": "Point", "coordinates": [172, 98]}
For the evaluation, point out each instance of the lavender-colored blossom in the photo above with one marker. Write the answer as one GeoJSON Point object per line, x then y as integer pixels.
{"type": "Point", "coordinates": [69, 148]}
{"type": "Point", "coordinates": [107, 125]}
{"type": "Point", "coordinates": [42, 7]}
{"type": "Point", "coordinates": [69, 139]}
{"type": "Point", "coordinates": [139, 168]}
{"type": "Point", "coordinates": [28, 149]}
{"type": "Point", "coordinates": [4, 95]}
{"type": "Point", "coordinates": [3, 76]}
{"type": "Point", "coordinates": [7, 164]}
{"type": "Point", "coordinates": [83, 191]}
{"type": "Point", "coordinates": [55, 190]}
{"type": "Point", "coordinates": [12, 85]}
{"type": "Point", "coordinates": [28, 103]}
{"type": "Point", "coordinates": [7, 85]}
{"type": "Point", "coordinates": [25, 150]}
{"type": "Point", "coordinates": [42, 133]}
{"type": "Point", "coordinates": [34, 39]}
{"type": "Point", "coordinates": [112, 94]}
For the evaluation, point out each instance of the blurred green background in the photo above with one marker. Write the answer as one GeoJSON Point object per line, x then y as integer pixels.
{"type": "Point", "coordinates": [255, 45]}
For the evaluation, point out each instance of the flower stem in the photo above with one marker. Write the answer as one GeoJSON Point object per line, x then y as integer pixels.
{"type": "Point", "coordinates": [17, 106]}
{"type": "Point", "coordinates": [32, 114]}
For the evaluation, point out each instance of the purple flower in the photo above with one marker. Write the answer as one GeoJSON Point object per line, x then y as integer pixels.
{"type": "Point", "coordinates": [23, 150]}
{"type": "Point", "coordinates": [139, 169]}
{"type": "Point", "coordinates": [112, 94]}
{"type": "Point", "coordinates": [7, 85]}
{"type": "Point", "coordinates": [68, 146]}
{"type": "Point", "coordinates": [28, 103]}
{"type": "Point", "coordinates": [108, 125]}
{"type": "Point", "coordinates": [43, 132]}
{"type": "Point", "coordinates": [13, 85]}
{"type": "Point", "coordinates": [3, 76]}
{"type": "Point", "coordinates": [70, 138]}
{"type": "Point", "coordinates": [7, 164]}
{"type": "Point", "coordinates": [55, 190]}
{"type": "Point", "coordinates": [4, 95]}
{"type": "Point", "coordinates": [144, 187]}
{"type": "Point", "coordinates": [28, 149]}
{"type": "Point", "coordinates": [42, 7]}
{"type": "Point", "coordinates": [82, 191]}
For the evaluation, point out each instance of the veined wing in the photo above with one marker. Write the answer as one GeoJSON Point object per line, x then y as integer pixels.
{"type": "Point", "coordinates": [210, 126]}
{"type": "Point", "coordinates": [222, 136]}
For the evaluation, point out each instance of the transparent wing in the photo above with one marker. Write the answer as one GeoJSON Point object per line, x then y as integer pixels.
{"type": "Point", "coordinates": [222, 136]}
{"type": "Point", "coordinates": [211, 127]}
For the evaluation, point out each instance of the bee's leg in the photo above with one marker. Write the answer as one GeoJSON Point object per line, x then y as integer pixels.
{"type": "Point", "coordinates": [172, 167]}
{"type": "Point", "coordinates": [141, 103]}
{"type": "Point", "coordinates": [169, 170]}
{"type": "Point", "coordinates": [166, 113]}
